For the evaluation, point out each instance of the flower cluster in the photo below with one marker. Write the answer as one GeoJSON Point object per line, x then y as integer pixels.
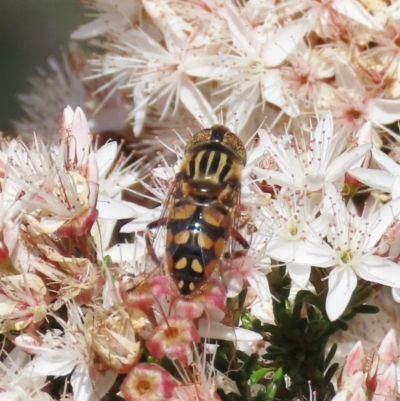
{"type": "Point", "coordinates": [88, 307]}
{"type": "Point", "coordinates": [284, 60]}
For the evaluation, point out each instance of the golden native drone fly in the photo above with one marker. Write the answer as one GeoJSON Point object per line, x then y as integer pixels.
{"type": "Point", "coordinates": [202, 207]}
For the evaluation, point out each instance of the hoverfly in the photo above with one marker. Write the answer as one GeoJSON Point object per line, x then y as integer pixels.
{"type": "Point", "coordinates": [201, 208]}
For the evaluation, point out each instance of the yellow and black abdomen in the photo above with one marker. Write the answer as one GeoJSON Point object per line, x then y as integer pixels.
{"type": "Point", "coordinates": [196, 242]}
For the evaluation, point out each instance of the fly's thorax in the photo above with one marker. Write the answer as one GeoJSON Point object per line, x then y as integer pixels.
{"type": "Point", "coordinates": [219, 167]}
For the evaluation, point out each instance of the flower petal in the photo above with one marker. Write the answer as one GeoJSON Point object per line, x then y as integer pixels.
{"type": "Point", "coordinates": [341, 286]}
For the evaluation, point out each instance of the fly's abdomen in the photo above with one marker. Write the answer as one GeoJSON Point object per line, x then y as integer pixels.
{"type": "Point", "coordinates": [195, 244]}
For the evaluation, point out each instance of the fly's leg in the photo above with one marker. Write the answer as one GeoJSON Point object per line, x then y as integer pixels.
{"type": "Point", "coordinates": [242, 241]}
{"type": "Point", "coordinates": [149, 238]}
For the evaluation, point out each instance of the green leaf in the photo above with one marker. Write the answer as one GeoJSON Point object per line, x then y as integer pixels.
{"type": "Point", "coordinates": [258, 375]}
{"type": "Point", "coordinates": [242, 298]}
{"type": "Point", "coordinates": [330, 356]}
{"type": "Point", "coordinates": [367, 309]}
{"type": "Point", "coordinates": [330, 372]}
{"type": "Point", "coordinates": [250, 364]}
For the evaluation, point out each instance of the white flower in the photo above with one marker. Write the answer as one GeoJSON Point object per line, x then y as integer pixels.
{"type": "Point", "coordinates": [298, 228]}
{"type": "Point", "coordinates": [60, 355]}
{"type": "Point", "coordinates": [387, 179]}
{"type": "Point", "coordinates": [351, 251]}
{"type": "Point", "coordinates": [17, 382]}
{"type": "Point", "coordinates": [308, 164]}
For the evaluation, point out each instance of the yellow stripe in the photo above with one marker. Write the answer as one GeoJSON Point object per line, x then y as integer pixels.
{"type": "Point", "coordinates": [210, 160]}
{"type": "Point", "coordinates": [197, 164]}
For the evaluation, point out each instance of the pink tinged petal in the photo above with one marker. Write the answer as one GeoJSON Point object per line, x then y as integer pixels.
{"type": "Point", "coordinates": [341, 282]}
{"type": "Point", "coordinates": [299, 273]}
{"type": "Point", "coordinates": [383, 111]}
{"type": "Point", "coordinates": [212, 329]}
{"type": "Point", "coordinates": [80, 140]}
{"type": "Point", "coordinates": [346, 161]}
{"type": "Point", "coordinates": [376, 179]}
{"type": "Point", "coordinates": [354, 382]}
{"type": "Point", "coordinates": [284, 42]}
{"type": "Point", "coordinates": [195, 102]}
{"type": "Point", "coordinates": [355, 361]}
{"type": "Point", "coordinates": [354, 10]}
{"type": "Point", "coordinates": [105, 157]}
{"type": "Point", "coordinates": [386, 388]}
{"type": "Point", "coordinates": [66, 122]}
{"type": "Point", "coordinates": [380, 270]}
{"type": "Point", "coordinates": [388, 350]}
{"type": "Point", "coordinates": [114, 209]}
{"type": "Point", "coordinates": [385, 162]}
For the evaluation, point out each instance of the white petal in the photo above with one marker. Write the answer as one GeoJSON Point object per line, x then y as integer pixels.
{"type": "Point", "coordinates": [114, 209]}
{"type": "Point", "coordinates": [272, 91]}
{"type": "Point", "coordinates": [341, 286]}
{"type": "Point", "coordinates": [395, 190]}
{"type": "Point", "coordinates": [396, 294]}
{"type": "Point", "coordinates": [324, 129]}
{"type": "Point", "coordinates": [242, 33]}
{"type": "Point", "coordinates": [258, 281]}
{"type": "Point", "coordinates": [299, 273]}
{"type": "Point", "coordinates": [105, 157]}
{"type": "Point", "coordinates": [82, 384]}
{"type": "Point", "coordinates": [385, 162]}
{"type": "Point", "coordinates": [383, 111]}
{"type": "Point", "coordinates": [376, 179]}
{"type": "Point", "coordinates": [97, 27]}
{"type": "Point", "coordinates": [125, 252]}
{"type": "Point", "coordinates": [103, 384]}
{"type": "Point", "coordinates": [279, 46]}
{"type": "Point", "coordinates": [141, 222]}
{"type": "Point", "coordinates": [345, 161]}
{"type": "Point", "coordinates": [380, 270]}
{"type": "Point", "coordinates": [211, 329]}
{"type": "Point", "coordinates": [195, 102]}
{"type": "Point", "coordinates": [302, 252]}
{"type": "Point", "coordinates": [242, 103]}
{"type": "Point", "coordinates": [54, 366]}
{"type": "Point", "coordinates": [274, 177]}
{"type": "Point", "coordinates": [383, 217]}
{"type": "Point", "coordinates": [354, 10]}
